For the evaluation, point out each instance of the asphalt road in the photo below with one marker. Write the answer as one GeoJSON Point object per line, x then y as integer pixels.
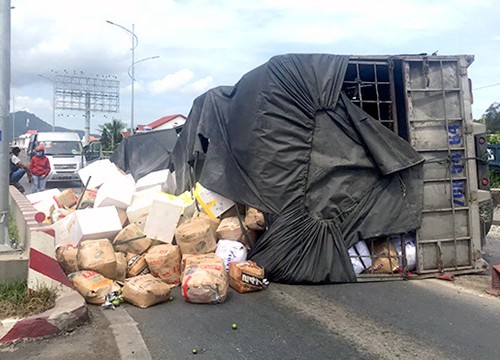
{"type": "Point", "coordinates": [390, 320]}
{"type": "Point", "coordinates": [420, 319]}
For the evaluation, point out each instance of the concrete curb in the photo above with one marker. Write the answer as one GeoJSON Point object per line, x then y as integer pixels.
{"type": "Point", "coordinates": [70, 310]}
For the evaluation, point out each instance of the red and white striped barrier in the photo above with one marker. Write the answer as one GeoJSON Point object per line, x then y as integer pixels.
{"type": "Point", "coordinates": [70, 309]}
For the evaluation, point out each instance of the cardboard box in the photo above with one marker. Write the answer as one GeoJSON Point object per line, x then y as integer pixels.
{"type": "Point", "coordinates": [145, 290]}
{"type": "Point", "coordinates": [97, 255]}
{"type": "Point", "coordinates": [164, 262]}
{"type": "Point", "coordinates": [116, 191]}
{"type": "Point", "coordinates": [88, 198]}
{"type": "Point", "coordinates": [385, 257]}
{"type": "Point", "coordinates": [230, 229]}
{"type": "Point", "coordinates": [88, 224]}
{"type": "Point", "coordinates": [66, 257]}
{"type": "Point", "coordinates": [196, 236]}
{"type": "Point", "coordinates": [136, 265]}
{"type": "Point", "coordinates": [66, 199]}
{"type": "Point", "coordinates": [131, 240]}
{"type": "Point", "coordinates": [195, 259]}
{"type": "Point", "coordinates": [212, 203]}
{"type": "Point", "coordinates": [214, 223]}
{"type": "Point", "coordinates": [92, 286]}
{"type": "Point", "coordinates": [246, 276]}
{"type": "Point", "coordinates": [254, 219]}
{"type": "Point", "coordinates": [205, 284]}
{"type": "Point", "coordinates": [121, 266]}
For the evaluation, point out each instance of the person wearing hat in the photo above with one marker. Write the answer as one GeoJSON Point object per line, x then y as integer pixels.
{"type": "Point", "coordinates": [17, 169]}
{"type": "Point", "coordinates": [40, 169]}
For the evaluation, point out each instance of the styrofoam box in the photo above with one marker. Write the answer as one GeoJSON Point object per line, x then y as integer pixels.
{"type": "Point", "coordinates": [138, 211]}
{"type": "Point", "coordinates": [116, 191]}
{"type": "Point", "coordinates": [99, 171]}
{"type": "Point", "coordinates": [212, 203]}
{"type": "Point", "coordinates": [63, 230]}
{"type": "Point", "coordinates": [42, 201]}
{"type": "Point", "coordinates": [148, 193]}
{"type": "Point", "coordinates": [152, 179]}
{"type": "Point", "coordinates": [88, 224]}
{"type": "Point", "coordinates": [164, 215]}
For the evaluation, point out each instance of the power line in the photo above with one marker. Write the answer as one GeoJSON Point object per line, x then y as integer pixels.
{"type": "Point", "coordinates": [487, 86]}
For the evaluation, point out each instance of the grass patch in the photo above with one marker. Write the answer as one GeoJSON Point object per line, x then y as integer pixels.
{"type": "Point", "coordinates": [17, 301]}
{"type": "Point", "coordinates": [13, 231]}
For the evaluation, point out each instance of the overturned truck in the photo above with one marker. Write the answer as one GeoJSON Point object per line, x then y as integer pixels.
{"type": "Point", "coordinates": [366, 167]}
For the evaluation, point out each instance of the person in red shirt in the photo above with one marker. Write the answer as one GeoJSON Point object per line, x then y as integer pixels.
{"type": "Point", "coordinates": [40, 169]}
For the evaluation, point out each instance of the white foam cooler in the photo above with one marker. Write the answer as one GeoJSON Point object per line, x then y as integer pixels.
{"type": "Point", "coordinates": [63, 230]}
{"type": "Point", "coordinates": [212, 203]}
{"type": "Point", "coordinates": [99, 171]}
{"type": "Point", "coordinates": [152, 179]}
{"type": "Point", "coordinates": [88, 224]}
{"type": "Point", "coordinates": [164, 215]}
{"type": "Point", "coordinates": [138, 211]}
{"type": "Point", "coordinates": [116, 191]}
{"type": "Point", "coordinates": [148, 193]}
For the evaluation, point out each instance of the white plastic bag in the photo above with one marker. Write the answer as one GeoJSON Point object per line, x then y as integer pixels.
{"type": "Point", "coordinates": [230, 250]}
{"type": "Point", "coordinates": [410, 248]}
{"type": "Point", "coordinates": [360, 257]}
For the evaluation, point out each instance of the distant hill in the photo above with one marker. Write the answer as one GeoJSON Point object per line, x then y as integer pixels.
{"type": "Point", "coordinates": [24, 121]}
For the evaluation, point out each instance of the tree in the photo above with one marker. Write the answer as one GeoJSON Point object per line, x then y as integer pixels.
{"type": "Point", "coordinates": [492, 118]}
{"type": "Point", "coordinates": [111, 134]}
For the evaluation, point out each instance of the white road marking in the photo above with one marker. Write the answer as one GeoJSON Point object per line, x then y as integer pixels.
{"type": "Point", "coordinates": [127, 335]}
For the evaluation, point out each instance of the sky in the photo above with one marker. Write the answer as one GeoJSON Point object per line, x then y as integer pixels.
{"type": "Point", "coordinates": [203, 44]}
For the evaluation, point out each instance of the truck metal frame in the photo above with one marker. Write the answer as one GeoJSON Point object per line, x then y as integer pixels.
{"type": "Point", "coordinates": [427, 101]}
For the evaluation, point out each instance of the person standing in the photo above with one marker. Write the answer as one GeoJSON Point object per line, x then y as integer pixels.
{"type": "Point", "coordinates": [40, 169]}
{"type": "Point", "coordinates": [17, 169]}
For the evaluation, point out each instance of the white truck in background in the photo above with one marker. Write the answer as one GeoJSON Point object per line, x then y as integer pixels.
{"type": "Point", "coordinates": [66, 153]}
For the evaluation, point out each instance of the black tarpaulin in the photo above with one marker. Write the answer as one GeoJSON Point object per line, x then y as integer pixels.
{"type": "Point", "coordinates": [286, 141]}
{"type": "Point", "coordinates": [143, 153]}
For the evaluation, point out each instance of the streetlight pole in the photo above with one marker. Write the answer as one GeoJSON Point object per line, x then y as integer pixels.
{"type": "Point", "coordinates": [137, 62]}
{"type": "Point", "coordinates": [4, 120]}
{"type": "Point", "coordinates": [135, 42]}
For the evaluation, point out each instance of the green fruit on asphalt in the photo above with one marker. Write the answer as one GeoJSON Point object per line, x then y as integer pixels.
{"type": "Point", "coordinates": [234, 326]}
{"type": "Point", "coordinates": [116, 302]}
{"type": "Point", "coordinates": [195, 351]}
